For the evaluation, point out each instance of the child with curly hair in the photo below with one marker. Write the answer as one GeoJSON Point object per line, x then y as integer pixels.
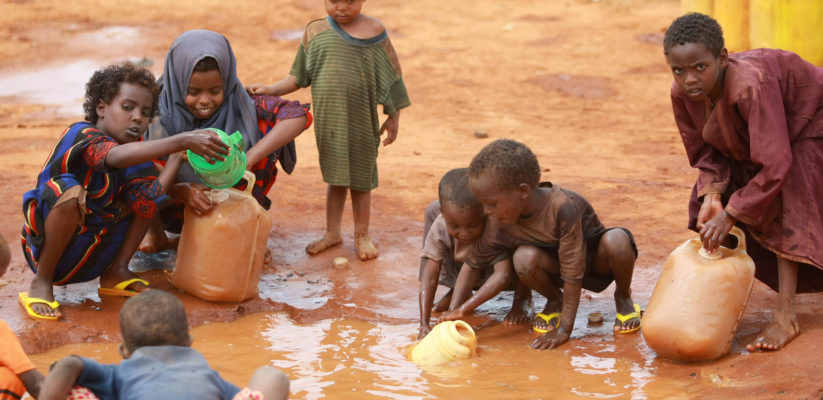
{"type": "Point", "coordinates": [99, 189]}
{"type": "Point", "coordinates": [752, 124]}
{"type": "Point", "coordinates": [555, 239]}
{"type": "Point", "coordinates": [351, 66]}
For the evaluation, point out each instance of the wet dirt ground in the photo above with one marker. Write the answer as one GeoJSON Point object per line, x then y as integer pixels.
{"type": "Point", "coordinates": [583, 83]}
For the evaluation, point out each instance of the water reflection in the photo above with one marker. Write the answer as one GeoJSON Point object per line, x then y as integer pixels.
{"type": "Point", "coordinates": [356, 359]}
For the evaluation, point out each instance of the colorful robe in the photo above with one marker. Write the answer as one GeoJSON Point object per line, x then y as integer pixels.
{"type": "Point", "coordinates": [113, 197]}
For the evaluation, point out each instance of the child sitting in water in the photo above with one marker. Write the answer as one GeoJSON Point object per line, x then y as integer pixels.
{"type": "Point", "coordinates": [351, 66]}
{"type": "Point", "coordinates": [98, 191]}
{"type": "Point", "coordinates": [158, 362]}
{"type": "Point", "coordinates": [752, 123]}
{"type": "Point", "coordinates": [450, 232]}
{"type": "Point", "coordinates": [556, 239]}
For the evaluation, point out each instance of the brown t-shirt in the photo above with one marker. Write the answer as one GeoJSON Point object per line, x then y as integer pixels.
{"type": "Point", "coordinates": [563, 222]}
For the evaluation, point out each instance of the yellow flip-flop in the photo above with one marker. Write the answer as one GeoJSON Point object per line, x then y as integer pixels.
{"type": "Point", "coordinates": [548, 318]}
{"type": "Point", "coordinates": [120, 288]}
{"type": "Point", "coordinates": [27, 301]}
{"type": "Point", "coordinates": [623, 318]}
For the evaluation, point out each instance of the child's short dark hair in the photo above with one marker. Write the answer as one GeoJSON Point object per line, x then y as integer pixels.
{"type": "Point", "coordinates": [694, 28]}
{"type": "Point", "coordinates": [508, 163]}
{"type": "Point", "coordinates": [206, 64]}
{"type": "Point", "coordinates": [154, 318]}
{"type": "Point", "coordinates": [454, 188]}
{"type": "Point", "coordinates": [105, 84]}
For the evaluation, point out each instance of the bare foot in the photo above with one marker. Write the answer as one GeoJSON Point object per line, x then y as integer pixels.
{"type": "Point", "coordinates": [324, 243]}
{"type": "Point", "coordinates": [155, 244]}
{"type": "Point", "coordinates": [522, 308]}
{"type": "Point", "coordinates": [365, 248]}
{"type": "Point", "coordinates": [780, 331]}
{"type": "Point", "coordinates": [443, 304]}
{"type": "Point", "coordinates": [43, 290]}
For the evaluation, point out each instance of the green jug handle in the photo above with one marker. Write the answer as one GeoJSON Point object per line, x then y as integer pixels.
{"type": "Point", "coordinates": [237, 140]}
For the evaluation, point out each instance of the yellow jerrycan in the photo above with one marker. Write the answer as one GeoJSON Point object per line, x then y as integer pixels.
{"type": "Point", "coordinates": [697, 302]}
{"type": "Point", "coordinates": [221, 253]}
{"type": "Point", "coordinates": [447, 341]}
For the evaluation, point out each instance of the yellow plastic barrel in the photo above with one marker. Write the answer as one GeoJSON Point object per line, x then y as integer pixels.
{"type": "Point", "coordinates": [701, 6]}
{"type": "Point", "coordinates": [447, 341]}
{"type": "Point", "coordinates": [733, 17]}
{"type": "Point", "coordinates": [793, 25]}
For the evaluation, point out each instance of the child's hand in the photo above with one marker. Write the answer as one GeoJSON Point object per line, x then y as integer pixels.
{"type": "Point", "coordinates": [452, 315]}
{"type": "Point", "coordinates": [257, 88]}
{"type": "Point", "coordinates": [390, 126]}
{"type": "Point", "coordinates": [551, 339]}
{"type": "Point", "coordinates": [193, 195]}
{"type": "Point", "coordinates": [207, 144]}
{"type": "Point", "coordinates": [423, 331]}
{"type": "Point", "coordinates": [711, 206]}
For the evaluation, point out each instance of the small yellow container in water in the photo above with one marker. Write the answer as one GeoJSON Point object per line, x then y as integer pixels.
{"type": "Point", "coordinates": [793, 25]}
{"type": "Point", "coordinates": [447, 341]}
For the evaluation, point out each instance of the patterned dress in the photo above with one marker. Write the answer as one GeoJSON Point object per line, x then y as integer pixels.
{"type": "Point", "coordinates": [349, 77]}
{"type": "Point", "coordinates": [113, 197]}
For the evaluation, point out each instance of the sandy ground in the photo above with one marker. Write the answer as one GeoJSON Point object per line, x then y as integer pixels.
{"type": "Point", "coordinates": [583, 83]}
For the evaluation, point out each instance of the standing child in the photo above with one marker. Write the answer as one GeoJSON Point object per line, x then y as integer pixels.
{"type": "Point", "coordinates": [752, 123]}
{"type": "Point", "coordinates": [556, 237]}
{"type": "Point", "coordinates": [99, 189]}
{"type": "Point", "coordinates": [200, 89]}
{"type": "Point", "coordinates": [449, 234]}
{"type": "Point", "coordinates": [158, 362]}
{"type": "Point", "coordinates": [350, 64]}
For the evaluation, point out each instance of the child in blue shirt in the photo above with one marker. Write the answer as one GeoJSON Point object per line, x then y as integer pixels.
{"type": "Point", "coordinates": [158, 362]}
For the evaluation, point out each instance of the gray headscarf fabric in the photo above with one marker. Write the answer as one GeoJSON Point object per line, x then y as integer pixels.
{"type": "Point", "coordinates": [237, 113]}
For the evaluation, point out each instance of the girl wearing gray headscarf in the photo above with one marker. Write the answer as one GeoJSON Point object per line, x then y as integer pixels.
{"type": "Point", "coordinates": [200, 89]}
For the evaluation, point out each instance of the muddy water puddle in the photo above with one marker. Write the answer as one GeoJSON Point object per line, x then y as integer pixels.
{"type": "Point", "coordinates": [355, 359]}
{"type": "Point", "coordinates": [60, 86]}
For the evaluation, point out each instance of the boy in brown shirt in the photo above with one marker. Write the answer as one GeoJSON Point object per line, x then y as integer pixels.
{"type": "Point", "coordinates": [555, 238]}
{"type": "Point", "coordinates": [453, 225]}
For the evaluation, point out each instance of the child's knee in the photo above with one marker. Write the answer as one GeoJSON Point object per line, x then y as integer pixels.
{"type": "Point", "coordinates": [616, 245]}
{"type": "Point", "coordinates": [526, 259]}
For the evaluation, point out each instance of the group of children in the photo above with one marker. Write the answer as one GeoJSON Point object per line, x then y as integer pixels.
{"type": "Point", "coordinates": [751, 123]}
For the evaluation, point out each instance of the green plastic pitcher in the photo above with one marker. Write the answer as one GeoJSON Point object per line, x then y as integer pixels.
{"type": "Point", "coordinates": [222, 174]}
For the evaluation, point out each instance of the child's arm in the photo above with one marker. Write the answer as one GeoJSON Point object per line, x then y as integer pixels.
{"type": "Point", "coordinates": [282, 88]}
{"type": "Point", "coordinates": [560, 335]}
{"type": "Point", "coordinates": [391, 126]}
{"type": "Point", "coordinates": [61, 378]}
{"type": "Point", "coordinates": [203, 142]}
{"type": "Point", "coordinates": [280, 135]}
{"type": "Point", "coordinates": [428, 287]}
{"type": "Point", "coordinates": [499, 280]}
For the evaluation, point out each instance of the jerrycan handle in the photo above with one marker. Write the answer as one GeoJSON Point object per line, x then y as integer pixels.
{"type": "Point", "coordinates": [250, 179]}
{"type": "Point", "coordinates": [741, 245]}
